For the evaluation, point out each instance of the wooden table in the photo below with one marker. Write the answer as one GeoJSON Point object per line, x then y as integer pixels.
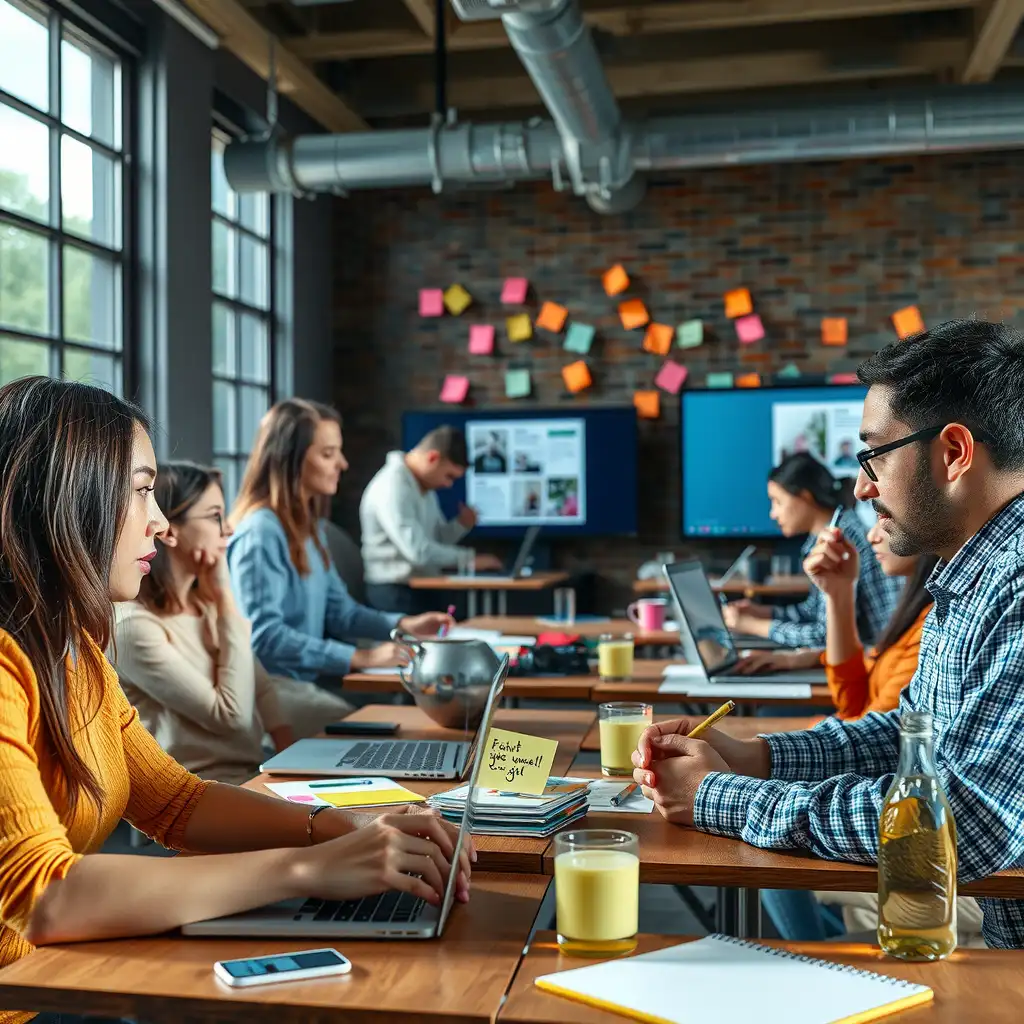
{"type": "Point", "coordinates": [462, 976]}
{"type": "Point", "coordinates": [739, 728]}
{"type": "Point", "coordinates": [527, 625]}
{"type": "Point", "coordinates": [774, 586]}
{"type": "Point", "coordinates": [528, 687]}
{"type": "Point", "coordinates": [489, 586]}
{"type": "Point", "coordinates": [972, 985]}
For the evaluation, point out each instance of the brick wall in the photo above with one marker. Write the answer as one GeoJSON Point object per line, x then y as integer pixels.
{"type": "Point", "coordinates": [855, 239]}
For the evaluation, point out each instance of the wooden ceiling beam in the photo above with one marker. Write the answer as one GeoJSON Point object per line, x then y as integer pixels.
{"type": "Point", "coordinates": [248, 40]}
{"type": "Point", "coordinates": [997, 23]}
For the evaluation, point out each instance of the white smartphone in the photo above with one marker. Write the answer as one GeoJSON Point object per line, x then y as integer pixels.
{"type": "Point", "coordinates": [266, 970]}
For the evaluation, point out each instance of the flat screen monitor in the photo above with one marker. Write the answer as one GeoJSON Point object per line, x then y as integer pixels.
{"type": "Point", "coordinates": [732, 439]}
{"type": "Point", "coordinates": [570, 472]}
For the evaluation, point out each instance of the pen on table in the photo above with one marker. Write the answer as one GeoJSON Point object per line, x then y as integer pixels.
{"type": "Point", "coordinates": [443, 631]}
{"type": "Point", "coordinates": [339, 784]}
{"type": "Point", "coordinates": [623, 794]}
{"type": "Point", "coordinates": [713, 718]}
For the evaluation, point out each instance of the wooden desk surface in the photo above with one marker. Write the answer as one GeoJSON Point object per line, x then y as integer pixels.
{"type": "Point", "coordinates": [647, 677]}
{"type": "Point", "coordinates": [538, 581]}
{"type": "Point", "coordinates": [780, 586]}
{"type": "Point", "coordinates": [740, 728]}
{"type": "Point", "coordinates": [530, 687]}
{"type": "Point", "coordinates": [527, 625]}
{"type": "Point", "coordinates": [460, 977]}
{"type": "Point", "coordinates": [960, 983]}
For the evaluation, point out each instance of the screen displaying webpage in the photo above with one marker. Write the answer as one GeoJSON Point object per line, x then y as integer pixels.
{"type": "Point", "coordinates": [527, 472]}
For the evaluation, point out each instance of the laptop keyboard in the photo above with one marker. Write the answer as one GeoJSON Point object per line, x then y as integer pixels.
{"type": "Point", "coordinates": [402, 755]}
{"type": "Point", "coordinates": [388, 907]}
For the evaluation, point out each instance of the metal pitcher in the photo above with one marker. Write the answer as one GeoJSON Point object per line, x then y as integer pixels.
{"type": "Point", "coordinates": [448, 679]}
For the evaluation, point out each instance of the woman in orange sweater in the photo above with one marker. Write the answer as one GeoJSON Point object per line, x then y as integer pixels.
{"type": "Point", "coordinates": [77, 529]}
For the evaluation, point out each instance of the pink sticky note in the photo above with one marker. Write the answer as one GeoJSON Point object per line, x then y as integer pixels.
{"type": "Point", "coordinates": [431, 302]}
{"type": "Point", "coordinates": [481, 339]}
{"type": "Point", "coordinates": [454, 389]}
{"type": "Point", "coordinates": [671, 377]}
{"type": "Point", "coordinates": [749, 329]}
{"type": "Point", "coordinates": [843, 378]}
{"type": "Point", "coordinates": [513, 293]}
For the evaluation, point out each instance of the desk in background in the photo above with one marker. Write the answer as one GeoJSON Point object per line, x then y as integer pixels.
{"type": "Point", "coordinates": [492, 589]}
{"type": "Point", "coordinates": [738, 728]}
{"type": "Point", "coordinates": [528, 625]}
{"type": "Point", "coordinates": [780, 587]}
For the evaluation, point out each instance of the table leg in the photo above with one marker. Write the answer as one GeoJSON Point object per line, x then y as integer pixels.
{"type": "Point", "coordinates": [488, 596]}
{"type": "Point", "coordinates": [471, 604]}
{"type": "Point", "coordinates": [727, 910]}
{"type": "Point", "coordinates": [749, 914]}
{"type": "Point", "coordinates": [503, 602]}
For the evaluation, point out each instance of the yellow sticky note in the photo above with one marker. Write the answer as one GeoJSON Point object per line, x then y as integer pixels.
{"type": "Point", "coordinates": [457, 300]}
{"type": "Point", "coordinates": [374, 798]}
{"type": "Point", "coordinates": [515, 763]}
{"type": "Point", "coordinates": [519, 327]}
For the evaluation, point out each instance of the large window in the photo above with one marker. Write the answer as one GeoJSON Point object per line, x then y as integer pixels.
{"type": "Point", "coordinates": [243, 319]}
{"type": "Point", "coordinates": [62, 210]}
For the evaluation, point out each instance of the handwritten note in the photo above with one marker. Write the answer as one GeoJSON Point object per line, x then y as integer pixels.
{"type": "Point", "coordinates": [513, 292]}
{"type": "Point", "coordinates": [907, 322]}
{"type": "Point", "coordinates": [738, 303]}
{"type": "Point", "coordinates": [671, 377]}
{"type": "Point", "coordinates": [454, 389]}
{"type": "Point", "coordinates": [481, 339]}
{"type": "Point", "coordinates": [457, 300]}
{"type": "Point", "coordinates": [834, 330]}
{"type": "Point", "coordinates": [517, 383]}
{"type": "Point", "coordinates": [579, 338]}
{"type": "Point", "coordinates": [749, 329]}
{"type": "Point", "coordinates": [514, 763]}
{"type": "Point", "coordinates": [519, 327]}
{"type": "Point", "coordinates": [647, 404]}
{"type": "Point", "coordinates": [615, 280]}
{"type": "Point", "coordinates": [690, 334]}
{"type": "Point", "coordinates": [552, 317]}
{"type": "Point", "coordinates": [431, 302]}
{"type": "Point", "coordinates": [658, 339]}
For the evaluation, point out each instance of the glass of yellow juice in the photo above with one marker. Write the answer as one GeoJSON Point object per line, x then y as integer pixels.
{"type": "Point", "coordinates": [620, 724]}
{"type": "Point", "coordinates": [615, 657]}
{"type": "Point", "coordinates": [597, 892]}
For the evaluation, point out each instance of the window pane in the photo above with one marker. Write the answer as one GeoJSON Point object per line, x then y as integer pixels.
{"type": "Point", "coordinates": [24, 279]}
{"type": "Point", "coordinates": [223, 417]}
{"type": "Point", "coordinates": [223, 339]}
{"type": "Point", "coordinates": [89, 193]}
{"type": "Point", "coordinates": [23, 54]}
{"type": "Point", "coordinates": [24, 164]}
{"type": "Point", "coordinates": [254, 349]}
{"type": "Point", "coordinates": [231, 473]}
{"type": "Point", "coordinates": [224, 242]}
{"type": "Point", "coordinates": [252, 212]}
{"type": "Point", "coordinates": [91, 306]}
{"type": "Point", "coordinates": [254, 284]}
{"type": "Point", "coordinates": [22, 359]}
{"type": "Point", "coordinates": [223, 198]}
{"type": "Point", "coordinates": [93, 368]}
{"type": "Point", "coordinates": [90, 90]}
{"type": "Point", "coordinates": [252, 405]}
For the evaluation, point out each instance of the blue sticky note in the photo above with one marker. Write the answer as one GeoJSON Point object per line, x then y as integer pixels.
{"type": "Point", "coordinates": [720, 380]}
{"type": "Point", "coordinates": [579, 338]}
{"type": "Point", "coordinates": [790, 372]}
{"type": "Point", "coordinates": [690, 334]}
{"type": "Point", "coordinates": [517, 384]}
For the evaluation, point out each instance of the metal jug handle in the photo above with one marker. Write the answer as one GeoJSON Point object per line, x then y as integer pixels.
{"type": "Point", "coordinates": [399, 636]}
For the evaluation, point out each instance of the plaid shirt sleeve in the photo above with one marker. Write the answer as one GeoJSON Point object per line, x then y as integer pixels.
{"type": "Point", "coordinates": [800, 625]}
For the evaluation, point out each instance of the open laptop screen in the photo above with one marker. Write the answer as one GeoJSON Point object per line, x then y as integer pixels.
{"type": "Point", "coordinates": [703, 615]}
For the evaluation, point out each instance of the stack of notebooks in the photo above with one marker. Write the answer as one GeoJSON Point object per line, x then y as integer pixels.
{"type": "Point", "coordinates": [495, 813]}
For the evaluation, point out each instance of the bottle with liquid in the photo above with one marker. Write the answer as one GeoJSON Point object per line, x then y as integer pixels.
{"type": "Point", "coordinates": [917, 854]}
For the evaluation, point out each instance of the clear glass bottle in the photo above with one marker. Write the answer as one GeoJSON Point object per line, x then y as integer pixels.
{"type": "Point", "coordinates": [916, 854]}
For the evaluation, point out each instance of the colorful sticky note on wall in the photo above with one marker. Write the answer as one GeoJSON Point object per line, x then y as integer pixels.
{"type": "Point", "coordinates": [834, 330]}
{"type": "Point", "coordinates": [615, 280]}
{"type": "Point", "coordinates": [690, 333]}
{"type": "Point", "coordinates": [633, 313]}
{"type": "Point", "coordinates": [431, 302]}
{"type": "Point", "coordinates": [514, 290]}
{"type": "Point", "coordinates": [789, 372]}
{"type": "Point", "coordinates": [647, 404]}
{"type": "Point", "coordinates": [748, 380]}
{"type": "Point", "coordinates": [481, 339]}
{"type": "Point", "coordinates": [576, 376]}
{"type": "Point", "coordinates": [907, 322]}
{"type": "Point", "coordinates": [457, 300]}
{"type": "Point", "coordinates": [519, 328]}
{"type": "Point", "coordinates": [454, 389]}
{"type": "Point", "coordinates": [671, 377]}
{"type": "Point", "coordinates": [749, 329]}
{"type": "Point", "coordinates": [738, 303]}
{"type": "Point", "coordinates": [552, 317]}
{"type": "Point", "coordinates": [719, 380]}
{"type": "Point", "coordinates": [843, 378]}
{"type": "Point", "coordinates": [579, 338]}
{"type": "Point", "coordinates": [517, 383]}
{"type": "Point", "coordinates": [658, 339]}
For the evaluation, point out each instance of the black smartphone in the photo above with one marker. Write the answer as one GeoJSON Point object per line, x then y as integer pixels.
{"type": "Point", "coordinates": [361, 728]}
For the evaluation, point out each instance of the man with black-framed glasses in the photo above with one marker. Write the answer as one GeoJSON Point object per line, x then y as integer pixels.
{"type": "Point", "coordinates": [944, 469]}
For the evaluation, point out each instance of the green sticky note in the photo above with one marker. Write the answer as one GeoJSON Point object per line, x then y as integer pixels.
{"type": "Point", "coordinates": [690, 334]}
{"type": "Point", "coordinates": [790, 372]}
{"type": "Point", "coordinates": [579, 338]}
{"type": "Point", "coordinates": [517, 384]}
{"type": "Point", "coordinates": [720, 380]}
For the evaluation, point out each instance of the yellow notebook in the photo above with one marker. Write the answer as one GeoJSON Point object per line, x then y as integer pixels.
{"type": "Point", "coordinates": [731, 981]}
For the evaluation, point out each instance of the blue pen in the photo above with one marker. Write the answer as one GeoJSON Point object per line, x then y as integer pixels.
{"type": "Point", "coordinates": [836, 516]}
{"type": "Point", "coordinates": [340, 784]}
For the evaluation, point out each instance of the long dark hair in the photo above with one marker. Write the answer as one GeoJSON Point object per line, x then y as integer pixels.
{"type": "Point", "coordinates": [178, 487]}
{"type": "Point", "coordinates": [803, 472]}
{"type": "Point", "coordinates": [66, 453]}
{"type": "Point", "coordinates": [273, 475]}
{"type": "Point", "coordinates": [912, 602]}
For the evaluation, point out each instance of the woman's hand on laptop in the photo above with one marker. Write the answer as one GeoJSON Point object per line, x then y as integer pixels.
{"type": "Point", "coordinates": [754, 663]}
{"type": "Point", "coordinates": [743, 757]}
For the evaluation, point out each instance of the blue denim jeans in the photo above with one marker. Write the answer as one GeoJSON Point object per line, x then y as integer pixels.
{"type": "Point", "coordinates": [799, 917]}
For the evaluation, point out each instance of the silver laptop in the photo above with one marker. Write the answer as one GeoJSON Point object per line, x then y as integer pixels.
{"type": "Point", "coordinates": [397, 759]}
{"type": "Point", "coordinates": [389, 915]}
{"type": "Point", "coordinates": [522, 557]}
{"type": "Point", "coordinates": [710, 639]}
{"type": "Point", "coordinates": [757, 643]}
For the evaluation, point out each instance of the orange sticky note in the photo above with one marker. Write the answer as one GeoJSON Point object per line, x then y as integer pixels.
{"type": "Point", "coordinates": [552, 317]}
{"type": "Point", "coordinates": [576, 376]}
{"type": "Point", "coordinates": [615, 281]}
{"type": "Point", "coordinates": [647, 404]}
{"type": "Point", "coordinates": [748, 380]}
{"type": "Point", "coordinates": [633, 313]}
{"type": "Point", "coordinates": [907, 322]}
{"type": "Point", "coordinates": [738, 303]}
{"type": "Point", "coordinates": [658, 339]}
{"type": "Point", "coordinates": [834, 330]}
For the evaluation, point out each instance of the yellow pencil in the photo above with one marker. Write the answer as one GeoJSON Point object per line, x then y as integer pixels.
{"type": "Point", "coordinates": [713, 718]}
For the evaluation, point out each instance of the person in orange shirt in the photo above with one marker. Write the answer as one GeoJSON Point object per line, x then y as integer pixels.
{"type": "Point", "coordinates": [78, 524]}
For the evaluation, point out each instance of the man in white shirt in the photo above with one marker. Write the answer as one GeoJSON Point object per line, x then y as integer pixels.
{"type": "Point", "coordinates": [404, 531]}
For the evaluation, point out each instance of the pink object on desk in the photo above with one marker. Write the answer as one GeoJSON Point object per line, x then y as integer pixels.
{"type": "Point", "coordinates": [431, 302]}
{"type": "Point", "coordinates": [648, 613]}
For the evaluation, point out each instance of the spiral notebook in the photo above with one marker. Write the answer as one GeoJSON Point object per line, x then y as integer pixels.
{"type": "Point", "coordinates": [731, 981]}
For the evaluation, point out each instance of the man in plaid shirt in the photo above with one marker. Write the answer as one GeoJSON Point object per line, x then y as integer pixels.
{"type": "Point", "coordinates": [944, 422]}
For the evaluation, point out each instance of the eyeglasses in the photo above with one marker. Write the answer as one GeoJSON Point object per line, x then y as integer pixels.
{"type": "Point", "coordinates": [216, 517]}
{"type": "Point", "coordinates": [864, 457]}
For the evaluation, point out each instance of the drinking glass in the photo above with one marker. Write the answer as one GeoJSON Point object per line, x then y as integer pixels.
{"type": "Point", "coordinates": [615, 657]}
{"type": "Point", "coordinates": [620, 723]}
{"type": "Point", "coordinates": [565, 605]}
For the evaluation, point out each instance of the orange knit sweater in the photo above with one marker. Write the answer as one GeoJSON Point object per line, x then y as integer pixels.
{"type": "Point", "coordinates": [865, 683]}
{"type": "Point", "coordinates": [39, 840]}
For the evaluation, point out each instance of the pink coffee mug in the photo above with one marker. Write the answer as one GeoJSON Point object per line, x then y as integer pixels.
{"type": "Point", "coordinates": [648, 613]}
